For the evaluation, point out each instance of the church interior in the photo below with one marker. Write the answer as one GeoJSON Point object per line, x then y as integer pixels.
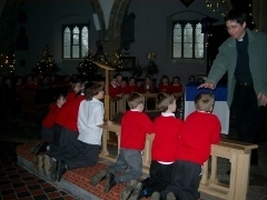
{"type": "Point", "coordinates": [47, 44]}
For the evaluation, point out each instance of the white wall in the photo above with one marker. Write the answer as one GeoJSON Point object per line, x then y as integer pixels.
{"type": "Point", "coordinates": [152, 32]}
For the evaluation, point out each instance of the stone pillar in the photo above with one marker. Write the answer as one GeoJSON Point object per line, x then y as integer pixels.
{"type": "Point", "coordinates": [110, 48]}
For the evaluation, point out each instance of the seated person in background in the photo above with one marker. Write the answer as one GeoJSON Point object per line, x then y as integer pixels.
{"type": "Point", "coordinates": [36, 83]}
{"type": "Point", "coordinates": [147, 86]}
{"type": "Point", "coordinates": [65, 82]}
{"type": "Point", "coordinates": [53, 81]}
{"type": "Point", "coordinates": [192, 79]}
{"type": "Point", "coordinates": [191, 152]}
{"type": "Point", "coordinates": [123, 88]}
{"type": "Point", "coordinates": [167, 129]}
{"type": "Point", "coordinates": [176, 86]}
{"type": "Point", "coordinates": [114, 89]}
{"type": "Point", "coordinates": [164, 85]}
{"type": "Point", "coordinates": [29, 83]}
{"type": "Point", "coordinates": [131, 87]}
{"type": "Point", "coordinates": [135, 124]}
{"type": "Point", "coordinates": [19, 87]}
{"type": "Point", "coordinates": [119, 79]}
{"type": "Point", "coordinates": [200, 80]}
{"type": "Point", "coordinates": [45, 83]}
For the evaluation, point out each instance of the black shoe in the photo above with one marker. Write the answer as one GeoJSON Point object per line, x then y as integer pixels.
{"type": "Point", "coordinates": [61, 169]}
{"type": "Point", "coordinates": [110, 182]}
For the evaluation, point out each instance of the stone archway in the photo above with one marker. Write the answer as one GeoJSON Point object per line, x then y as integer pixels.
{"type": "Point", "coordinates": [110, 37]}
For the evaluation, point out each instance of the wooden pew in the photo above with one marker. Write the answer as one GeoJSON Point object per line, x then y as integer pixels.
{"type": "Point", "coordinates": [236, 152]}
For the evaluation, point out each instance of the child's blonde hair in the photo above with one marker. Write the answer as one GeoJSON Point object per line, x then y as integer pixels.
{"type": "Point", "coordinates": [135, 99]}
{"type": "Point", "coordinates": [205, 102]}
{"type": "Point", "coordinates": [164, 100]}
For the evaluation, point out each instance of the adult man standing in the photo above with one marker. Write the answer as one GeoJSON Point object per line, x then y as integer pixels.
{"type": "Point", "coordinates": [244, 57]}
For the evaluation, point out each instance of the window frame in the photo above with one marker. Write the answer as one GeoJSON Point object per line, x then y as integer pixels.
{"type": "Point", "coordinates": [80, 27]}
{"type": "Point", "coordinates": [183, 24]}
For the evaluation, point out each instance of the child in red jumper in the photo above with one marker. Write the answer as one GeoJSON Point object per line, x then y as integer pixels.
{"type": "Point", "coordinates": [134, 126]}
{"type": "Point", "coordinates": [147, 86]}
{"type": "Point", "coordinates": [167, 132]}
{"type": "Point", "coordinates": [75, 89]}
{"type": "Point", "coordinates": [48, 122]}
{"type": "Point", "coordinates": [132, 87]}
{"type": "Point", "coordinates": [201, 129]}
{"type": "Point", "coordinates": [67, 144]}
{"type": "Point", "coordinates": [176, 86]}
{"type": "Point", "coordinates": [164, 85]}
{"type": "Point", "coordinates": [47, 133]}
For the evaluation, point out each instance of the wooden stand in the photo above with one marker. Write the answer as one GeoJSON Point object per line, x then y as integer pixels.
{"type": "Point", "coordinates": [106, 98]}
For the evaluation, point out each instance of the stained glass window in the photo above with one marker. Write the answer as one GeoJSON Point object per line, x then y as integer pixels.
{"type": "Point", "coordinates": [75, 41]}
{"type": "Point", "coordinates": [66, 42]}
{"type": "Point", "coordinates": [188, 40]}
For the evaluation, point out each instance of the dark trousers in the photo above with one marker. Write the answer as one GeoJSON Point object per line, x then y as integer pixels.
{"type": "Point", "coordinates": [185, 181]}
{"type": "Point", "coordinates": [86, 156]}
{"type": "Point", "coordinates": [75, 153]}
{"type": "Point", "coordinates": [55, 146]}
{"type": "Point", "coordinates": [249, 116]}
{"type": "Point", "coordinates": [159, 178]}
{"type": "Point", "coordinates": [47, 134]}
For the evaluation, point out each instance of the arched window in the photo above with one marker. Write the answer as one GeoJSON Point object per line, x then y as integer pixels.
{"type": "Point", "coordinates": [188, 40]}
{"type": "Point", "coordinates": [75, 41]}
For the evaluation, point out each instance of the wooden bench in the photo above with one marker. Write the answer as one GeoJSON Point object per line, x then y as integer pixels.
{"type": "Point", "coordinates": [237, 153]}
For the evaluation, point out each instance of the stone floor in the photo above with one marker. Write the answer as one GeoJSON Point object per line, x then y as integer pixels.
{"type": "Point", "coordinates": [26, 131]}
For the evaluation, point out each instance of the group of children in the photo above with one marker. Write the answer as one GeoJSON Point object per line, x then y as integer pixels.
{"type": "Point", "coordinates": [179, 149]}
{"type": "Point", "coordinates": [118, 86]}
{"type": "Point", "coordinates": [72, 132]}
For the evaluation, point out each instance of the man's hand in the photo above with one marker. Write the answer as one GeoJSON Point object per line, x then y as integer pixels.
{"type": "Point", "coordinates": [207, 84]}
{"type": "Point", "coordinates": [263, 99]}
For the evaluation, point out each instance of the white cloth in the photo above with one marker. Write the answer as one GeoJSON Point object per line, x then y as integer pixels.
{"type": "Point", "coordinates": [91, 114]}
